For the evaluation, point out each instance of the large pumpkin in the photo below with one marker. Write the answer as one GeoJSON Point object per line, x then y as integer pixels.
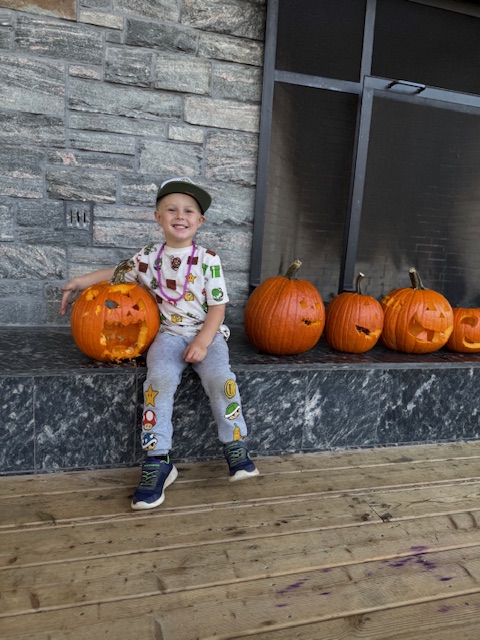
{"type": "Point", "coordinates": [113, 321]}
{"type": "Point", "coordinates": [285, 316]}
{"type": "Point", "coordinates": [466, 331]}
{"type": "Point", "coordinates": [354, 321]}
{"type": "Point", "coordinates": [417, 320]}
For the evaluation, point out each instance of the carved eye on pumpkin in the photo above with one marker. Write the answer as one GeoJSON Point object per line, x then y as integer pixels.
{"type": "Point", "coordinates": [113, 322]}
{"type": "Point", "coordinates": [466, 331]}
{"type": "Point", "coordinates": [417, 320]}
{"type": "Point", "coordinates": [354, 321]}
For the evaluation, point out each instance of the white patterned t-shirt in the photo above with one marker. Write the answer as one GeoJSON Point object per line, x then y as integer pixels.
{"type": "Point", "coordinates": [183, 304]}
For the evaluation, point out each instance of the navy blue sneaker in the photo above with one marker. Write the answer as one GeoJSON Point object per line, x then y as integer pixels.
{"type": "Point", "coordinates": [157, 475]}
{"type": "Point", "coordinates": [239, 462]}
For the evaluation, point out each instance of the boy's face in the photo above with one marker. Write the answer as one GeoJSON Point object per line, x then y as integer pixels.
{"type": "Point", "coordinates": [180, 217]}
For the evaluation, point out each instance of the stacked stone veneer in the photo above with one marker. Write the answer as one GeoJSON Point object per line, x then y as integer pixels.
{"type": "Point", "coordinates": [101, 100]}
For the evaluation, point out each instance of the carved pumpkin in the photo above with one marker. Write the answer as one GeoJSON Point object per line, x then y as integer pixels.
{"type": "Point", "coordinates": [466, 331]}
{"type": "Point", "coordinates": [285, 316]}
{"type": "Point", "coordinates": [417, 320]}
{"type": "Point", "coordinates": [113, 321]}
{"type": "Point", "coordinates": [354, 321]}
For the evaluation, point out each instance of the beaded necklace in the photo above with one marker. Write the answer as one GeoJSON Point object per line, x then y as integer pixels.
{"type": "Point", "coordinates": [190, 262]}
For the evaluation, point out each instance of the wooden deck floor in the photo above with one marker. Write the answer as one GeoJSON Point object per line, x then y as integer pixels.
{"type": "Point", "coordinates": [374, 544]}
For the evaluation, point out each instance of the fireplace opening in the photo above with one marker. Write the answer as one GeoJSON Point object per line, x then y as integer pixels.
{"type": "Point", "coordinates": [370, 146]}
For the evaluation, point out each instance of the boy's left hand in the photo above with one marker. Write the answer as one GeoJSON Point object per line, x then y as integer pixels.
{"type": "Point", "coordinates": [195, 352]}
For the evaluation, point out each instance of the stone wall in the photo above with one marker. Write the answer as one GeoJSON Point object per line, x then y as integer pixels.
{"type": "Point", "coordinates": [100, 101]}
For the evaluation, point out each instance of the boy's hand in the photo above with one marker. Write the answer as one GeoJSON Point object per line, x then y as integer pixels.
{"type": "Point", "coordinates": [70, 291]}
{"type": "Point", "coordinates": [195, 352]}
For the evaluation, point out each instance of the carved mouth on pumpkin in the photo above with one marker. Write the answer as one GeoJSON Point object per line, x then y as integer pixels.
{"type": "Point", "coordinates": [425, 334]}
{"type": "Point", "coordinates": [124, 338]}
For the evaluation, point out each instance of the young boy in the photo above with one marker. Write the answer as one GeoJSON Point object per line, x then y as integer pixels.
{"type": "Point", "coordinates": [188, 284]}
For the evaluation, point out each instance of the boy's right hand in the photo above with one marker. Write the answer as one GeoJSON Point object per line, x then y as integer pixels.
{"type": "Point", "coordinates": [70, 291]}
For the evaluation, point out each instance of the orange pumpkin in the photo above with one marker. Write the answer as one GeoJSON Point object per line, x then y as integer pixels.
{"type": "Point", "coordinates": [354, 321]}
{"type": "Point", "coordinates": [113, 321]}
{"type": "Point", "coordinates": [417, 320]}
{"type": "Point", "coordinates": [284, 316]}
{"type": "Point", "coordinates": [466, 331]}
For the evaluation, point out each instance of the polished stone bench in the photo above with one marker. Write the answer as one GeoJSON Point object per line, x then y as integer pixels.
{"type": "Point", "coordinates": [62, 411]}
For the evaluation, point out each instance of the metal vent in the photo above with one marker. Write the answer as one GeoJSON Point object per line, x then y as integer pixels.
{"type": "Point", "coordinates": [78, 215]}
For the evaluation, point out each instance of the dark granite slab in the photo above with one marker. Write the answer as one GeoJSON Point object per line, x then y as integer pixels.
{"type": "Point", "coordinates": [62, 411]}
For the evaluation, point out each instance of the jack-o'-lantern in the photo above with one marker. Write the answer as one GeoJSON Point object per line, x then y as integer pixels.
{"type": "Point", "coordinates": [114, 321]}
{"type": "Point", "coordinates": [354, 321]}
{"type": "Point", "coordinates": [417, 320]}
{"type": "Point", "coordinates": [466, 331]}
{"type": "Point", "coordinates": [285, 316]}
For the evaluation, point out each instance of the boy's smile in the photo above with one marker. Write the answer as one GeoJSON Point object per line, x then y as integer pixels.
{"type": "Point", "coordinates": [180, 217]}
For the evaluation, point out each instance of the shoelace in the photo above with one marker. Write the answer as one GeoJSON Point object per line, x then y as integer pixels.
{"type": "Point", "coordinates": [235, 456]}
{"type": "Point", "coordinates": [149, 478]}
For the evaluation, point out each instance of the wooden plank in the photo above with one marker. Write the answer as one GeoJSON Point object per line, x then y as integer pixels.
{"type": "Point", "coordinates": [445, 619]}
{"type": "Point", "coordinates": [227, 611]}
{"type": "Point", "coordinates": [15, 486]}
{"type": "Point", "coordinates": [166, 570]}
{"type": "Point", "coordinates": [166, 529]}
{"type": "Point", "coordinates": [204, 494]}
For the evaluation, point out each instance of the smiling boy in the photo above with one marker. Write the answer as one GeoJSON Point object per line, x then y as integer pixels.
{"type": "Point", "coordinates": [188, 284]}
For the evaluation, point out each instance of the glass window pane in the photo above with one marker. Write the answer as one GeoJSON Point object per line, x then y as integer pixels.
{"type": "Point", "coordinates": [428, 45]}
{"type": "Point", "coordinates": [309, 172]}
{"type": "Point", "coordinates": [321, 37]}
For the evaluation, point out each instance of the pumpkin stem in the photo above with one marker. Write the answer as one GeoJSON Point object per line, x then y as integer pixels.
{"type": "Point", "coordinates": [357, 283]}
{"type": "Point", "coordinates": [120, 271]}
{"type": "Point", "coordinates": [292, 269]}
{"type": "Point", "coordinates": [415, 278]}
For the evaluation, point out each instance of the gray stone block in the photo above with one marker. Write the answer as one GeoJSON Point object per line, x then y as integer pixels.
{"type": "Point", "coordinates": [26, 128]}
{"type": "Point", "coordinates": [186, 134]}
{"type": "Point", "coordinates": [237, 82]}
{"type": "Point", "coordinates": [7, 220]}
{"type": "Point", "coordinates": [32, 86]}
{"type": "Point", "coordinates": [94, 97]}
{"type": "Point", "coordinates": [93, 257]}
{"type": "Point", "coordinates": [162, 37]}
{"type": "Point", "coordinates": [239, 50]}
{"type": "Point", "coordinates": [96, 4]}
{"type": "Point", "coordinates": [41, 213]}
{"type": "Point", "coordinates": [101, 161]}
{"type": "Point", "coordinates": [233, 244]}
{"type": "Point", "coordinates": [223, 114]}
{"type": "Point", "coordinates": [82, 71]}
{"type": "Point", "coordinates": [6, 38]}
{"type": "Point", "coordinates": [102, 142]}
{"type": "Point", "coordinates": [240, 18]}
{"type": "Point", "coordinates": [231, 203]}
{"type": "Point", "coordinates": [231, 157]}
{"type": "Point", "coordinates": [28, 262]}
{"type": "Point", "coordinates": [66, 9]}
{"type": "Point", "coordinates": [125, 233]}
{"type": "Point", "coordinates": [117, 124]}
{"type": "Point", "coordinates": [128, 66]}
{"type": "Point", "coordinates": [119, 212]}
{"type": "Point", "coordinates": [101, 19]}
{"type": "Point", "coordinates": [21, 173]}
{"type": "Point", "coordinates": [53, 298]}
{"type": "Point", "coordinates": [183, 73]}
{"type": "Point", "coordinates": [168, 10]}
{"type": "Point", "coordinates": [37, 235]}
{"type": "Point", "coordinates": [46, 37]}
{"type": "Point", "coordinates": [163, 157]}
{"type": "Point", "coordinates": [81, 185]}
{"type": "Point", "coordinates": [138, 190]}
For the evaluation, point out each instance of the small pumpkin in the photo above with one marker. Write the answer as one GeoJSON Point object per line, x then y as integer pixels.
{"type": "Point", "coordinates": [417, 320]}
{"type": "Point", "coordinates": [465, 336]}
{"type": "Point", "coordinates": [284, 316]}
{"type": "Point", "coordinates": [354, 321]}
{"type": "Point", "coordinates": [114, 321]}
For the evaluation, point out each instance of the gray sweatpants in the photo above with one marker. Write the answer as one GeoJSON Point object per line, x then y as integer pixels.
{"type": "Point", "coordinates": [165, 366]}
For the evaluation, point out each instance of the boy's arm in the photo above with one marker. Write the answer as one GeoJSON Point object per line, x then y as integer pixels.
{"type": "Point", "coordinates": [82, 282]}
{"type": "Point", "coordinates": [197, 349]}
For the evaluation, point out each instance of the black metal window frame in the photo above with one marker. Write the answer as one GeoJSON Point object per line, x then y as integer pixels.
{"type": "Point", "coordinates": [367, 88]}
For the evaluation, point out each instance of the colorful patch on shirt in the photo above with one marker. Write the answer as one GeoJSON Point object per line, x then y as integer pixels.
{"type": "Point", "coordinates": [171, 284]}
{"type": "Point", "coordinates": [149, 441]}
{"type": "Point", "coordinates": [232, 411]}
{"type": "Point", "coordinates": [175, 263]}
{"type": "Point", "coordinates": [230, 388]}
{"type": "Point", "coordinates": [143, 267]}
{"type": "Point", "coordinates": [150, 395]}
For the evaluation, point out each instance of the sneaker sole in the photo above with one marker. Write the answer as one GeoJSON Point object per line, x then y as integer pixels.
{"type": "Point", "coordinates": [243, 475]}
{"type": "Point", "coordinates": [138, 506]}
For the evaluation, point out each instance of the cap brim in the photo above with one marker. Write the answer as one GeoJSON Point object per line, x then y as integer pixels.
{"type": "Point", "coordinates": [200, 195]}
